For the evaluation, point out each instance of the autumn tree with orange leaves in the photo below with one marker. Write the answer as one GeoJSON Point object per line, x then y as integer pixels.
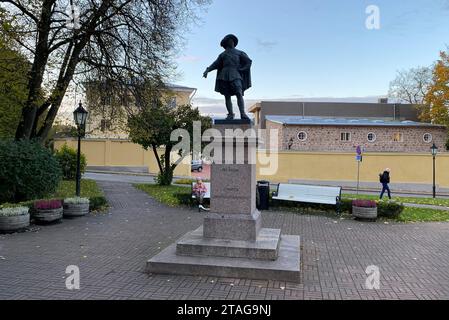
{"type": "Point", "coordinates": [437, 97]}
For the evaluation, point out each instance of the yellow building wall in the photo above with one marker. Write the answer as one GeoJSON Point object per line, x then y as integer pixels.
{"type": "Point", "coordinates": [405, 167]}
{"type": "Point", "coordinates": [123, 153]}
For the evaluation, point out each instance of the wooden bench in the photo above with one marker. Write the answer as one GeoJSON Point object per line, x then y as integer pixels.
{"type": "Point", "coordinates": [207, 195]}
{"type": "Point", "coordinates": [309, 194]}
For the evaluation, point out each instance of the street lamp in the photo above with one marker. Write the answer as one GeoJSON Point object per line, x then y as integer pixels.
{"type": "Point", "coordinates": [80, 116]}
{"type": "Point", "coordinates": [434, 151]}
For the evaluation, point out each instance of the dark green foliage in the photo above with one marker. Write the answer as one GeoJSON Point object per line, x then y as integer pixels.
{"type": "Point", "coordinates": [447, 144]}
{"type": "Point", "coordinates": [97, 203]}
{"type": "Point", "coordinates": [66, 157]}
{"type": "Point", "coordinates": [27, 171]}
{"type": "Point", "coordinates": [389, 209]}
{"type": "Point", "coordinates": [13, 79]}
{"type": "Point", "coordinates": [164, 178]}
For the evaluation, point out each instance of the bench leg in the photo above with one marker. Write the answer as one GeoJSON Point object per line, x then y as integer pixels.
{"type": "Point", "coordinates": [338, 207]}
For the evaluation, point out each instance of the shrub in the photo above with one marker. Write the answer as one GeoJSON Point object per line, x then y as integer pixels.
{"type": "Point", "coordinates": [67, 158]}
{"type": "Point", "coordinates": [389, 209]}
{"type": "Point", "coordinates": [48, 204]}
{"type": "Point", "coordinates": [76, 200]}
{"type": "Point", "coordinates": [364, 203]}
{"type": "Point", "coordinates": [164, 179]}
{"type": "Point", "coordinates": [14, 211]}
{"type": "Point", "coordinates": [27, 171]}
{"type": "Point", "coordinates": [97, 203]}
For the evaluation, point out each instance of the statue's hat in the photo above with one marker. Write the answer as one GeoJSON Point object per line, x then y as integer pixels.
{"type": "Point", "coordinates": [233, 37]}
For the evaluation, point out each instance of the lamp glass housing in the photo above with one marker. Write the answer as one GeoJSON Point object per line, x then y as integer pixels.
{"type": "Point", "coordinates": [80, 115]}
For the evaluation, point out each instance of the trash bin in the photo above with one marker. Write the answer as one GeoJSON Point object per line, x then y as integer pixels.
{"type": "Point", "coordinates": [263, 195]}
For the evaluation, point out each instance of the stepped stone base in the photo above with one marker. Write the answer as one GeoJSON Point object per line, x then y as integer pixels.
{"type": "Point", "coordinates": [285, 268]}
{"type": "Point", "coordinates": [232, 226]}
{"type": "Point", "coordinates": [265, 247]}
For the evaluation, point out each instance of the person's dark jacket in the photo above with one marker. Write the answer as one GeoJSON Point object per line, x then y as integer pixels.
{"type": "Point", "coordinates": [385, 177]}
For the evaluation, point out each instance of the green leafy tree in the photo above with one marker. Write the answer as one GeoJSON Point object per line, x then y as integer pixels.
{"type": "Point", "coordinates": [152, 126]}
{"type": "Point", "coordinates": [13, 81]}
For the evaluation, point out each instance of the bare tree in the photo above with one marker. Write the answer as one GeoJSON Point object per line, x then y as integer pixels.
{"type": "Point", "coordinates": [114, 40]}
{"type": "Point", "coordinates": [411, 85]}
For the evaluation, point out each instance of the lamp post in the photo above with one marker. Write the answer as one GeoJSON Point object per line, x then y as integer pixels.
{"type": "Point", "coordinates": [434, 151]}
{"type": "Point", "coordinates": [80, 116]}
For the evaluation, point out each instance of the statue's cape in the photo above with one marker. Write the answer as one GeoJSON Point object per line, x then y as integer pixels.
{"type": "Point", "coordinates": [246, 82]}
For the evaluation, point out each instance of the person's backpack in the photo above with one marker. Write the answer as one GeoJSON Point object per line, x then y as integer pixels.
{"type": "Point", "coordinates": [381, 176]}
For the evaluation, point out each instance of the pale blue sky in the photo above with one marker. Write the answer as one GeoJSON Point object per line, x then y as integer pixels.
{"type": "Point", "coordinates": [319, 48]}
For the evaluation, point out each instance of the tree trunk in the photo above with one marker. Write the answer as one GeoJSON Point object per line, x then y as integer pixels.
{"type": "Point", "coordinates": [165, 176]}
{"type": "Point", "coordinates": [29, 112]}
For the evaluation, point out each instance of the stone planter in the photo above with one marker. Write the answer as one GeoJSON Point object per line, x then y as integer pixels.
{"type": "Point", "coordinates": [364, 213]}
{"type": "Point", "coordinates": [14, 223]}
{"type": "Point", "coordinates": [47, 215]}
{"type": "Point", "coordinates": [75, 209]}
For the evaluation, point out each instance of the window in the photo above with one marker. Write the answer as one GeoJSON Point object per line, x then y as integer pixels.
{"type": "Point", "coordinates": [427, 138]}
{"type": "Point", "coordinates": [372, 137]}
{"type": "Point", "coordinates": [172, 103]}
{"type": "Point", "coordinates": [345, 136]}
{"type": "Point", "coordinates": [398, 137]}
{"type": "Point", "coordinates": [302, 136]}
{"type": "Point", "coordinates": [105, 125]}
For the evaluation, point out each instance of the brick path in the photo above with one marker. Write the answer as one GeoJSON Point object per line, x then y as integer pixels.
{"type": "Point", "coordinates": [111, 250]}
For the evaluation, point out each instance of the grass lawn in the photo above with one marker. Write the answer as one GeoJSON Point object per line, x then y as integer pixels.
{"type": "Point", "coordinates": [430, 201]}
{"type": "Point", "coordinates": [66, 189]}
{"type": "Point", "coordinates": [174, 196]}
{"type": "Point", "coordinates": [423, 215]}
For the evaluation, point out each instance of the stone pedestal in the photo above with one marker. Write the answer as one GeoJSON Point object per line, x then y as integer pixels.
{"type": "Point", "coordinates": [232, 241]}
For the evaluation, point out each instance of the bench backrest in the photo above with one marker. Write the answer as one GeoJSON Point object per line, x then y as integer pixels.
{"type": "Point", "coordinates": [207, 184]}
{"type": "Point", "coordinates": [285, 189]}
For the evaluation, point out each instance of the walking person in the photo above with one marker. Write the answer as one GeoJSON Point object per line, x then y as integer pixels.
{"type": "Point", "coordinates": [384, 178]}
{"type": "Point", "coordinates": [199, 191]}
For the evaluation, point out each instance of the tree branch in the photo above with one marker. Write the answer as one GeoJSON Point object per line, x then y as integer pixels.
{"type": "Point", "coordinates": [19, 6]}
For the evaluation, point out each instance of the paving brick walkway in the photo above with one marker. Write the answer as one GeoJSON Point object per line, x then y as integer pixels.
{"type": "Point", "coordinates": [111, 250]}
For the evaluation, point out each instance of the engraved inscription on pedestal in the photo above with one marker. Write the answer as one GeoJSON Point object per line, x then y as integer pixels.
{"type": "Point", "coordinates": [233, 188]}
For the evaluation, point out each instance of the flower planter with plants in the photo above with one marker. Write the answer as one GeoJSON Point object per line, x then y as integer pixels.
{"type": "Point", "coordinates": [76, 207]}
{"type": "Point", "coordinates": [14, 219]}
{"type": "Point", "coordinates": [364, 209]}
{"type": "Point", "coordinates": [47, 210]}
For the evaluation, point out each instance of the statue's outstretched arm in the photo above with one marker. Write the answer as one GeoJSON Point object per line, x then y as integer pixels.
{"type": "Point", "coordinates": [214, 66]}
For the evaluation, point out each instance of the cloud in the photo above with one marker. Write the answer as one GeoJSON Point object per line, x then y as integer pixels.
{"type": "Point", "coordinates": [445, 4]}
{"type": "Point", "coordinates": [266, 44]}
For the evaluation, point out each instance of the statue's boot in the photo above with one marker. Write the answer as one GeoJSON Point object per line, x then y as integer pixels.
{"type": "Point", "coordinates": [230, 113]}
{"type": "Point", "coordinates": [243, 115]}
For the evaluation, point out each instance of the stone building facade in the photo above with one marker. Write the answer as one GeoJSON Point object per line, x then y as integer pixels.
{"type": "Point", "coordinates": [341, 135]}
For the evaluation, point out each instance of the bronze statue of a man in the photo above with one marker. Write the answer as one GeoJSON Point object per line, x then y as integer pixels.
{"type": "Point", "coordinates": [233, 74]}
